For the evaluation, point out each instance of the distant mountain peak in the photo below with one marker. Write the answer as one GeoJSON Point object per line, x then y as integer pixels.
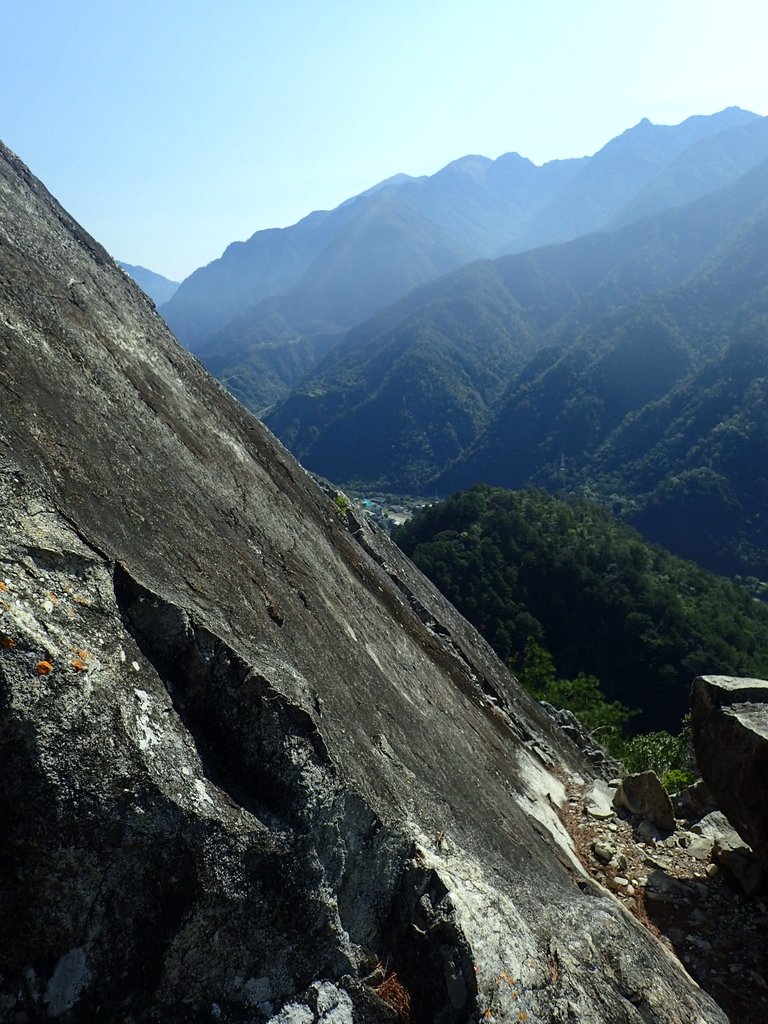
{"type": "Point", "coordinates": [160, 289]}
{"type": "Point", "coordinates": [334, 268]}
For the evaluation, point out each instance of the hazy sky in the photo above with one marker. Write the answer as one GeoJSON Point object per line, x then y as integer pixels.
{"type": "Point", "coordinates": [170, 128]}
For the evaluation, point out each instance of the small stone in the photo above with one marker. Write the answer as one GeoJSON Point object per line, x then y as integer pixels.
{"type": "Point", "coordinates": [758, 979]}
{"type": "Point", "coordinates": [602, 851]}
{"type": "Point", "coordinates": [653, 862]}
{"type": "Point", "coordinates": [621, 882]}
{"type": "Point", "coordinates": [700, 847]}
{"type": "Point", "coordinates": [711, 870]}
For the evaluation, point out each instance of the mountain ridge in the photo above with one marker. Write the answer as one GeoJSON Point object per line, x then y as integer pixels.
{"type": "Point", "coordinates": [160, 289]}
{"type": "Point", "coordinates": [470, 209]}
{"type": "Point", "coordinates": [547, 297]}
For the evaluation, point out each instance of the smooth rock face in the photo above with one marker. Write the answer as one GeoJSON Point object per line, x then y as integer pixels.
{"type": "Point", "coordinates": [729, 717]}
{"type": "Point", "coordinates": [252, 761]}
{"type": "Point", "coordinates": [643, 795]}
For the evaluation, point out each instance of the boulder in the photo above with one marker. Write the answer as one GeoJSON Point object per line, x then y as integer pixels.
{"type": "Point", "coordinates": [598, 800]}
{"type": "Point", "coordinates": [729, 718]}
{"type": "Point", "coordinates": [715, 825]}
{"type": "Point", "coordinates": [643, 795]}
{"type": "Point", "coordinates": [718, 839]}
{"type": "Point", "coordinates": [693, 802]}
{"type": "Point", "coordinates": [741, 863]}
{"type": "Point", "coordinates": [700, 848]}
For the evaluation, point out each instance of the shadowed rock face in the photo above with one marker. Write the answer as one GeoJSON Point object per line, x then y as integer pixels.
{"type": "Point", "coordinates": [248, 751]}
{"type": "Point", "coordinates": [729, 717]}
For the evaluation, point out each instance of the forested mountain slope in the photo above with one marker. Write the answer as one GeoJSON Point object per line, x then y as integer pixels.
{"type": "Point", "coordinates": [660, 408]}
{"type": "Point", "coordinates": [518, 363]}
{"type": "Point", "coordinates": [607, 186]}
{"type": "Point", "coordinates": [525, 566]}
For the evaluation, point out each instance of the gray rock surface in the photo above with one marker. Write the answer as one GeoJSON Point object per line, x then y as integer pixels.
{"type": "Point", "coordinates": [251, 758]}
{"type": "Point", "coordinates": [729, 718]}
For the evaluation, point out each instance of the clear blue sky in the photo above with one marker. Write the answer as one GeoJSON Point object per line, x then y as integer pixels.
{"type": "Point", "coordinates": [170, 128]}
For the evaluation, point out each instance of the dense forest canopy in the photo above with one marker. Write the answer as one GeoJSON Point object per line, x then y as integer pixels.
{"type": "Point", "coordinates": [565, 577]}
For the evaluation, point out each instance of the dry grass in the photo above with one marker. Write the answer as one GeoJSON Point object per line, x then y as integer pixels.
{"type": "Point", "coordinates": [394, 993]}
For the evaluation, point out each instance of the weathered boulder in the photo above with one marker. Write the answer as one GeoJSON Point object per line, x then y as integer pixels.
{"type": "Point", "coordinates": [254, 766]}
{"type": "Point", "coordinates": [729, 717]}
{"type": "Point", "coordinates": [694, 801]}
{"type": "Point", "coordinates": [716, 837]}
{"type": "Point", "coordinates": [643, 795]}
{"type": "Point", "coordinates": [598, 800]}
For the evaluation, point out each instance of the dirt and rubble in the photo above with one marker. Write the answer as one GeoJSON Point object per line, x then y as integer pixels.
{"type": "Point", "coordinates": [687, 885]}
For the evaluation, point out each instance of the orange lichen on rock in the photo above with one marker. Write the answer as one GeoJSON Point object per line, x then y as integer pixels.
{"type": "Point", "coordinates": [8, 643]}
{"type": "Point", "coordinates": [78, 665]}
{"type": "Point", "coordinates": [44, 667]}
{"type": "Point", "coordinates": [2, 586]}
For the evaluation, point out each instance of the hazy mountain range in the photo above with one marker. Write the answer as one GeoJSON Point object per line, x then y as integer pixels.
{"type": "Point", "coordinates": [618, 348]}
{"type": "Point", "coordinates": [157, 287]}
{"type": "Point", "coordinates": [270, 307]}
